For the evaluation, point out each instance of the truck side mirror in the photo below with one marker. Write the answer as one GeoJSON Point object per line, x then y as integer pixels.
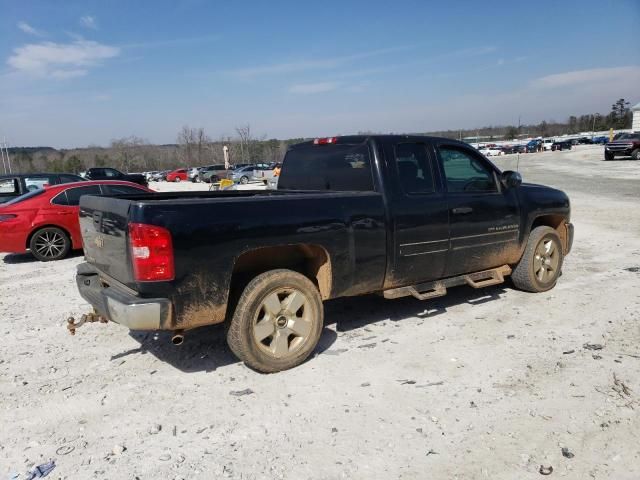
{"type": "Point", "coordinates": [511, 179]}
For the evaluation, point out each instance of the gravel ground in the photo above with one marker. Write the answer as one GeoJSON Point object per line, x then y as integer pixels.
{"type": "Point", "coordinates": [486, 383]}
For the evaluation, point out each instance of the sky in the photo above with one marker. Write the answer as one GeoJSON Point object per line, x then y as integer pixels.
{"type": "Point", "coordinates": [79, 73]}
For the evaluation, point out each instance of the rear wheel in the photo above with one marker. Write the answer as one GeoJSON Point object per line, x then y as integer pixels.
{"type": "Point", "coordinates": [177, 179]}
{"type": "Point", "coordinates": [49, 244]}
{"type": "Point", "coordinates": [541, 262]}
{"type": "Point", "coordinates": [608, 156]}
{"type": "Point", "coordinates": [277, 321]}
{"type": "Point", "coordinates": [636, 154]}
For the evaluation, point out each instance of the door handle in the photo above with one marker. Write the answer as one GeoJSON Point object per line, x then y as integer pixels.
{"type": "Point", "coordinates": [462, 210]}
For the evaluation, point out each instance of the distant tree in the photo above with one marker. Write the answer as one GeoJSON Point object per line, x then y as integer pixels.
{"type": "Point", "coordinates": [512, 132]}
{"type": "Point", "coordinates": [620, 114]}
{"type": "Point", "coordinates": [56, 165]}
{"type": "Point", "coordinates": [73, 164]}
{"type": "Point", "coordinates": [128, 152]}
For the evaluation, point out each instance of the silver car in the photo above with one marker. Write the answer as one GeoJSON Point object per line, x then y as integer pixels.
{"type": "Point", "coordinates": [242, 175]}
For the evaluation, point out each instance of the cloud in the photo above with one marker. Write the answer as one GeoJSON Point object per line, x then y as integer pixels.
{"type": "Point", "coordinates": [303, 65]}
{"type": "Point", "coordinates": [89, 22]}
{"type": "Point", "coordinates": [60, 60]}
{"type": "Point", "coordinates": [309, 88]}
{"type": "Point", "coordinates": [586, 77]}
{"type": "Point", "coordinates": [26, 28]}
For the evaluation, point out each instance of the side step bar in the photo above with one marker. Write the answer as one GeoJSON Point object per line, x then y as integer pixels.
{"type": "Point", "coordinates": [425, 291]}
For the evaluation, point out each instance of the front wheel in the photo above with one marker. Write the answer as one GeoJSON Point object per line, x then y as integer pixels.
{"type": "Point", "coordinates": [608, 156]}
{"type": "Point", "coordinates": [636, 154]}
{"type": "Point", "coordinates": [541, 262]}
{"type": "Point", "coordinates": [277, 321]}
{"type": "Point", "coordinates": [244, 180]}
{"type": "Point", "coordinates": [178, 179]}
{"type": "Point", "coordinates": [49, 244]}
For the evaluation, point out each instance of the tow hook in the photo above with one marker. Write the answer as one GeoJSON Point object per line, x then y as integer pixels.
{"type": "Point", "coordinates": [73, 324]}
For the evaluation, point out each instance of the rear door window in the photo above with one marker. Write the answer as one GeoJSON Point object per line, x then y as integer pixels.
{"type": "Point", "coordinates": [38, 181]}
{"type": "Point", "coordinates": [120, 190]}
{"type": "Point", "coordinates": [70, 179]}
{"type": "Point", "coordinates": [74, 194]}
{"type": "Point", "coordinates": [9, 186]}
{"type": "Point", "coordinates": [414, 168]}
{"type": "Point", "coordinates": [327, 167]}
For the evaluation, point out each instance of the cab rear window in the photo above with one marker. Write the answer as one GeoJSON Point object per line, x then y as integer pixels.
{"type": "Point", "coordinates": [327, 167]}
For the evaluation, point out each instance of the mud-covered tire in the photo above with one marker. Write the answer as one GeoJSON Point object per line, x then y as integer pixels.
{"type": "Point", "coordinates": [264, 333]}
{"type": "Point", "coordinates": [50, 243]}
{"type": "Point", "coordinates": [608, 156]}
{"type": "Point", "coordinates": [527, 274]}
{"type": "Point", "coordinates": [636, 154]}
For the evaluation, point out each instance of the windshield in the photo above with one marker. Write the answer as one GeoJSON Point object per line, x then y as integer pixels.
{"type": "Point", "coordinates": [24, 197]}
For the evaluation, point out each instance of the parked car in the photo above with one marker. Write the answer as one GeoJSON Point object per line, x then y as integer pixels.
{"type": "Point", "coordinates": [547, 143]}
{"type": "Point", "coordinates": [14, 185]}
{"type": "Point", "coordinates": [241, 174]}
{"type": "Point", "coordinates": [100, 173]}
{"type": "Point", "coordinates": [533, 145]}
{"type": "Point", "coordinates": [627, 144]}
{"type": "Point", "coordinates": [192, 173]}
{"type": "Point", "coordinates": [509, 149]}
{"type": "Point", "coordinates": [603, 140]}
{"type": "Point", "coordinates": [45, 221]}
{"type": "Point", "coordinates": [521, 149]}
{"type": "Point", "coordinates": [491, 151]}
{"type": "Point", "coordinates": [561, 145]}
{"type": "Point", "coordinates": [178, 175]}
{"type": "Point", "coordinates": [401, 215]}
{"type": "Point", "coordinates": [212, 173]}
{"type": "Point", "coordinates": [160, 176]}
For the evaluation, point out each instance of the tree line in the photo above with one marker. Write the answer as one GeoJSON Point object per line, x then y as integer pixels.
{"type": "Point", "coordinates": [194, 147]}
{"type": "Point", "coordinates": [620, 117]}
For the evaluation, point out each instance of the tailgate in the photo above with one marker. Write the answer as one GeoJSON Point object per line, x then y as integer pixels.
{"type": "Point", "coordinates": [104, 227]}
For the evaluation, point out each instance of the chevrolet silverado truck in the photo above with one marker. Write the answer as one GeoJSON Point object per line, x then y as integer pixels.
{"type": "Point", "coordinates": [389, 214]}
{"type": "Point", "coordinates": [627, 144]}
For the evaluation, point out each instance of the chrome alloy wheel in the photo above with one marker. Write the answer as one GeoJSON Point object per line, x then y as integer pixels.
{"type": "Point", "coordinates": [50, 244]}
{"type": "Point", "coordinates": [546, 260]}
{"type": "Point", "coordinates": [282, 324]}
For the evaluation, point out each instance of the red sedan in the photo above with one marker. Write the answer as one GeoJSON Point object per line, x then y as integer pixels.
{"type": "Point", "coordinates": [178, 175]}
{"type": "Point", "coordinates": [45, 221]}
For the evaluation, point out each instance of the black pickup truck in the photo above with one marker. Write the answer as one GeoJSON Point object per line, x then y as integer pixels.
{"type": "Point", "coordinates": [100, 173]}
{"type": "Point", "coordinates": [396, 215]}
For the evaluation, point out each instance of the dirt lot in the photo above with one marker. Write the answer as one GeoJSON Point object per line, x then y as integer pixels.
{"type": "Point", "coordinates": [478, 384]}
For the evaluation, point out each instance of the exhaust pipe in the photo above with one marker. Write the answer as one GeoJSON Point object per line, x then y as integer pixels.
{"type": "Point", "coordinates": [178, 338]}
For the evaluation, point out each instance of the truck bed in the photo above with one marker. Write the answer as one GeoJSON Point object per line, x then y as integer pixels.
{"type": "Point", "coordinates": [212, 230]}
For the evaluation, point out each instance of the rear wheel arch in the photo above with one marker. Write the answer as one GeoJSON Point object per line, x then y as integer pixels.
{"type": "Point", "coordinates": [310, 260]}
{"type": "Point", "coordinates": [48, 225]}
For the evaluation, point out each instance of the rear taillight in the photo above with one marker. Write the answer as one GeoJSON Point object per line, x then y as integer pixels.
{"type": "Point", "coordinates": [151, 253]}
{"type": "Point", "coordinates": [325, 141]}
{"type": "Point", "coordinates": [6, 216]}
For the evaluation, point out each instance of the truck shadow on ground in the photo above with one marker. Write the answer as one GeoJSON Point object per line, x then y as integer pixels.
{"type": "Point", "coordinates": [205, 349]}
{"type": "Point", "coordinates": [16, 258]}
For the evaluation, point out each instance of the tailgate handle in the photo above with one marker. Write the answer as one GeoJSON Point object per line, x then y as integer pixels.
{"type": "Point", "coordinates": [97, 219]}
{"type": "Point", "coordinates": [462, 210]}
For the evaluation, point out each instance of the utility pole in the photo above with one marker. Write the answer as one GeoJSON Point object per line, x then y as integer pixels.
{"type": "Point", "coordinates": [4, 165]}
